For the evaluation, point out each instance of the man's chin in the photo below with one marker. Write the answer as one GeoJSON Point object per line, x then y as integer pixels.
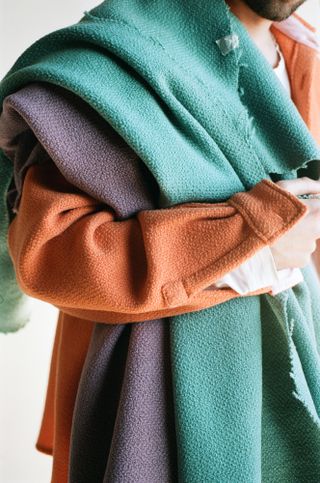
{"type": "Point", "coordinates": [275, 10]}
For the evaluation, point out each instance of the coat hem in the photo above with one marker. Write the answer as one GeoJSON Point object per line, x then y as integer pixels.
{"type": "Point", "coordinates": [44, 449]}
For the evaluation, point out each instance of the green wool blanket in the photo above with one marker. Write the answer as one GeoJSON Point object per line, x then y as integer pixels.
{"type": "Point", "coordinates": [188, 90]}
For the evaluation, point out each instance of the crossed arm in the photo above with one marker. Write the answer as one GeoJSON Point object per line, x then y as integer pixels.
{"type": "Point", "coordinates": [69, 250]}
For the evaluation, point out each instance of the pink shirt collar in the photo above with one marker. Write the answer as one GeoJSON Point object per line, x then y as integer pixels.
{"type": "Point", "coordinates": [294, 28]}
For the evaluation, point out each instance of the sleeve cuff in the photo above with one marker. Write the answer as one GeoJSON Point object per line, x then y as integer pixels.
{"type": "Point", "coordinates": [257, 272]}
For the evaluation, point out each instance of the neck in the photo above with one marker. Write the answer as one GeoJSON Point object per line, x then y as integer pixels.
{"type": "Point", "coordinates": [258, 28]}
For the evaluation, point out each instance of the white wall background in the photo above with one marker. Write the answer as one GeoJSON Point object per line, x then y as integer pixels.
{"type": "Point", "coordinates": [25, 355]}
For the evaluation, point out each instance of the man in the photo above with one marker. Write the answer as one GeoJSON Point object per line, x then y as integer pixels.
{"type": "Point", "coordinates": [208, 385]}
{"type": "Point", "coordinates": [258, 16]}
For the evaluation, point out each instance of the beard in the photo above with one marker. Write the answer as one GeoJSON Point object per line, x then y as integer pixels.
{"type": "Point", "coordinates": [275, 10]}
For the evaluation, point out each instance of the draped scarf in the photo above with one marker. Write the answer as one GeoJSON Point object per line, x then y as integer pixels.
{"type": "Point", "coordinates": [245, 373]}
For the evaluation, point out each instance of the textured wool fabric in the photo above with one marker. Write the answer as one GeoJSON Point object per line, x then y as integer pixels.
{"type": "Point", "coordinates": [181, 228]}
{"type": "Point", "coordinates": [12, 126]}
{"type": "Point", "coordinates": [141, 74]}
{"type": "Point", "coordinates": [74, 133]}
{"type": "Point", "coordinates": [123, 423]}
{"type": "Point", "coordinates": [236, 417]}
{"type": "Point", "coordinates": [163, 241]}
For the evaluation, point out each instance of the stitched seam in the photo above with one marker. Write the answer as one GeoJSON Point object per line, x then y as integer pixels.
{"type": "Point", "coordinates": [255, 229]}
{"type": "Point", "coordinates": [204, 269]}
{"type": "Point", "coordinates": [165, 296]}
{"type": "Point", "coordinates": [156, 42]}
{"type": "Point", "coordinates": [187, 73]}
{"type": "Point", "coordinates": [169, 284]}
{"type": "Point", "coordinates": [272, 186]}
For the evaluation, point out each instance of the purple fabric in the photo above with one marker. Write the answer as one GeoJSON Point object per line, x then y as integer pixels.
{"type": "Point", "coordinates": [123, 427]}
{"type": "Point", "coordinates": [86, 149]}
{"type": "Point", "coordinates": [123, 422]}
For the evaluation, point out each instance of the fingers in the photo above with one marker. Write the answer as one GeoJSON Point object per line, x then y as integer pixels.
{"type": "Point", "coordinates": [300, 186]}
{"type": "Point", "coordinates": [312, 223]}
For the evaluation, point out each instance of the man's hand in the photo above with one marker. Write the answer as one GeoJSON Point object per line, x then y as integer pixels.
{"type": "Point", "coordinates": [294, 248]}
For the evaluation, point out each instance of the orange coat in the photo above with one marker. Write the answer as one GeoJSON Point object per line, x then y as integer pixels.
{"type": "Point", "coordinates": [53, 215]}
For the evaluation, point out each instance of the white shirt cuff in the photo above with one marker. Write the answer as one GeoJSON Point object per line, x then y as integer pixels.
{"type": "Point", "coordinates": [260, 271]}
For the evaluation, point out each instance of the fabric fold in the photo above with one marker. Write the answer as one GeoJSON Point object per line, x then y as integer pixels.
{"type": "Point", "coordinates": [123, 425]}
{"type": "Point", "coordinates": [244, 381]}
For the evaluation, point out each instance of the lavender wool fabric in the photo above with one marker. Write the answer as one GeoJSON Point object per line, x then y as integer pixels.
{"type": "Point", "coordinates": [123, 423]}
{"type": "Point", "coordinates": [97, 161]}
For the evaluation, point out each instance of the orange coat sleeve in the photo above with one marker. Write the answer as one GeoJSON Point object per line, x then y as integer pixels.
{"type": "Point", "coordinates": [68, 249]}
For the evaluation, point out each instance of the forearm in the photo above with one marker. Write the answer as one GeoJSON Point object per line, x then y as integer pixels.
{"type": "Point", "coordinates": [69, 250]}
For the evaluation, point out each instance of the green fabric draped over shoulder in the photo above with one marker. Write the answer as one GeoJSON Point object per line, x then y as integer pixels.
{"type": "Point", "coordinates": [188, 90]}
